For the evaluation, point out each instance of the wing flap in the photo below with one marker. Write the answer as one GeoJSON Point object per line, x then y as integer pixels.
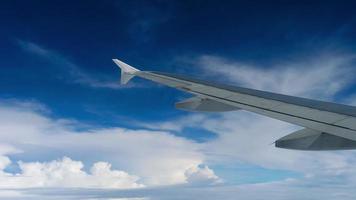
{"type": "Point", "coordinates": [349, 122]}
{"type": "Point", "coordinates": [204, 105]}
{"type": "Point", "coordinates": [307, 139]}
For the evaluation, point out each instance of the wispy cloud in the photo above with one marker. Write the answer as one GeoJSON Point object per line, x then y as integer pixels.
{"type": "Point", "coordinates": [318, 76]}
{"type": "Point", "coordinates": [76, 74]}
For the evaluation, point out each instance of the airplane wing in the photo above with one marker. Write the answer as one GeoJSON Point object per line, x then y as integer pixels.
{"type": "Point", "coordinates": [328, 126]}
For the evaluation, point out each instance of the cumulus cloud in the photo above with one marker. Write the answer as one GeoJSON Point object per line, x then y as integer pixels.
{"type": "Point", "coordinates": [201, 175]}
{"type": "Point", "coordinates": [65, 173]}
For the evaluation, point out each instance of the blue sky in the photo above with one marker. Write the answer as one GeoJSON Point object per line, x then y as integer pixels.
{"type": "Point", "coordinates": [153, 36]}
{"type": "Point", "coordinates": [62, 110]}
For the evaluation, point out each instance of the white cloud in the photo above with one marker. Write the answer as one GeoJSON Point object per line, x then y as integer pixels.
{"type": "Point", "coordinates": [201, 175]}
{"type": "Point", "coordinates": [4, 162]}
{"type": "Point", "coordinates": [157, 157]}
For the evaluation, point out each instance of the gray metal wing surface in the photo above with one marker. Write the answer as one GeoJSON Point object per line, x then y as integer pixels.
{"type": "Point", "coordinates": [328, 126]}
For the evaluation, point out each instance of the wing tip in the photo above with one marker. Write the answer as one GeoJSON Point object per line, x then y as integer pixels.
{"type": "Point", "coordinates": [125, 67]}
{"type": "Point", "coordinates": [127, 71]}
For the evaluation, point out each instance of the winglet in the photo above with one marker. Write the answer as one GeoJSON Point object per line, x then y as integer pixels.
{"type": "Point", "coordinates": [127, 72]}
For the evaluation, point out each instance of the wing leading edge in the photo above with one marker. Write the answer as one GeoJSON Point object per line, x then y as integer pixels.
{"type": "Point", "coordinates": [330, 126]}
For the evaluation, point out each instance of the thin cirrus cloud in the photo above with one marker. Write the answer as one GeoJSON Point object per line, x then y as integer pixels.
{"type": "Point", "coordinates": [77, 74]}
{"type": "Point", "coordinates": [320, 75]}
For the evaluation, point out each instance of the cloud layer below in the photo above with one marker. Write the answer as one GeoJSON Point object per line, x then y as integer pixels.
{"type": "Point", "coordinates": [157, 157]}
